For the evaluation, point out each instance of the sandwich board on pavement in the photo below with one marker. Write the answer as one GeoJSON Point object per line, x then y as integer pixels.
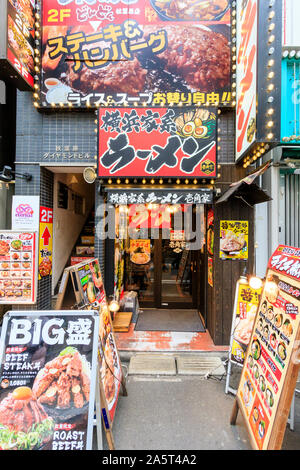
{"type": "Point", "coordinates": [271, 366]}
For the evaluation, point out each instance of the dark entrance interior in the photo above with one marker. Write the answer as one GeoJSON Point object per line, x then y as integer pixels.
{"type": "Point", "coordinates": [166, 281]}
{"type": "Point", "coordinates": [173, 277]}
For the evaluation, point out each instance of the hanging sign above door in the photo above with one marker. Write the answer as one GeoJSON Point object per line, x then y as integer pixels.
{"type": "Point", "coordinates": [160, 196]}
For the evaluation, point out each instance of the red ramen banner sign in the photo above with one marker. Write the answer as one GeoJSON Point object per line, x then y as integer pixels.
{"type": "Point", "coordinates": [123, 53]}
{"type": "Point", "coordinates": [271, 364]}
{"type": "Point", "coordinates": [152, 142]}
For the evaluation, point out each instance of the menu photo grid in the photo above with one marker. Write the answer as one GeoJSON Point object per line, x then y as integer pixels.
{"type": "Point", "coordinates": [17, 267]}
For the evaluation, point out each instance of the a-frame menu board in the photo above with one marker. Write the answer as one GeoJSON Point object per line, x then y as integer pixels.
{"type": "Point", "coordinates": [90, 294]}
{"type": "Point", "coordinates": [272, 362]}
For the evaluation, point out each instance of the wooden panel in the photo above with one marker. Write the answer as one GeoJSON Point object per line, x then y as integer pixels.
{"type": "Point", "coordinates": [220, 298]}
{"type": "Point", "coordinates": [122, 321]}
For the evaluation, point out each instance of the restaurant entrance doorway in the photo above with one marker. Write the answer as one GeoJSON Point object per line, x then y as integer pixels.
{"type": "Point", "coordinates": [166, 281]}
{"type": "Point", "coordinates": [167, 272]}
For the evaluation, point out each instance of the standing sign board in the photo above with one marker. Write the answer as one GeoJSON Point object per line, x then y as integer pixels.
{"type": "Point", "coordinates": [18, 267]}
{"type": "Point", "coordinates": [271, 365]}
{"type": "Point", "coordinates": [87, 278]}
{"type": "Point", "coordinates": [48, 380]}
{"type": "Point", "coordinates": [244, 312]}
{"type": "Point", "coordinates": [89, 292]}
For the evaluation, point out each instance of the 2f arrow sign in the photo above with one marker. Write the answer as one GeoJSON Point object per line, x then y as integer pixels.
{"type": "Point", "coordinates": [46, 236]}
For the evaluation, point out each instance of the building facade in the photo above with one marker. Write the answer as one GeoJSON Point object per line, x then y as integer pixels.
{"type": "Point", "coordinates": [135, 103]}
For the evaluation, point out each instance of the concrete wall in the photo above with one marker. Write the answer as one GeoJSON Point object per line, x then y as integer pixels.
{"type": "Point", "coordinates": [6, 194]}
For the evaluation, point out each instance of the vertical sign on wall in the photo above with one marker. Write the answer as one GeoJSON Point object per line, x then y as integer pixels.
{"type": "Point", "coordinates": [46, 241]}
{"type": "Point", "coordinates": [246, 75]}
{"type": "Point", "coordinates": [17, 42]}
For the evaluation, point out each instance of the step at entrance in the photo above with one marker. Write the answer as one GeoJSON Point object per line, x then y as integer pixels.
{"type": "Point", "coordinates": [199, 365]}
{"type": "Point", "coordinates": [152, 364]}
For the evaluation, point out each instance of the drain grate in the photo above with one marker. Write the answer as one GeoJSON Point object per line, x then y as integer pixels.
{"type": "Point", "coordinates": [152, 364]}
{"type": "Point", "coordinates": [199, 365]}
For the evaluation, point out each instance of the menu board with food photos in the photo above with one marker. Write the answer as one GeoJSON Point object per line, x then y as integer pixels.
{"type": "Point", "coordinates": [90, 289]}
{"type": "Point", "coordinates": [90, 282]}
{"type": "Point", "coordinates": [18, 262]}
{"type": "Point", "coordinates": [271, 365]}
{"type": "Point", "coordinates": [244, 312]}
{"type": "Point", "coordinates": [48, 380]}
{"type": "Point", "coordinates": [246, 304]}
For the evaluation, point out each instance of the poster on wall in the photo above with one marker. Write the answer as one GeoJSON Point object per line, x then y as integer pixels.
{"type": "Point", "coordinates": [164, 142]}
{"type": "Point", "coordinates": [119, 269]}
{"type": "Point", "coordinates": [48, 378]}
{"type": "Point", "coordinates": [246, 72]}
{"type": "Point", "coordinates": [45, 242]}
{"type": "Point", "coordinates": [271, 364]}
{"type": "Point", "coordinates": [210, 271]}
{"type": "Point", "coordinates": [18, 267]}
{"type": "Point", "coordinates": [142, 52]}
{"type": "Point", "coordinates": [140, 251]}
{"type": "Point", "coordinates": [210, 232]}
{"type": "Point", "coordinates": [25, 213]}
{"type": "Point", "coordinates": [234, 239]}
{"type": "Point", "coordinates": [17, 48]}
